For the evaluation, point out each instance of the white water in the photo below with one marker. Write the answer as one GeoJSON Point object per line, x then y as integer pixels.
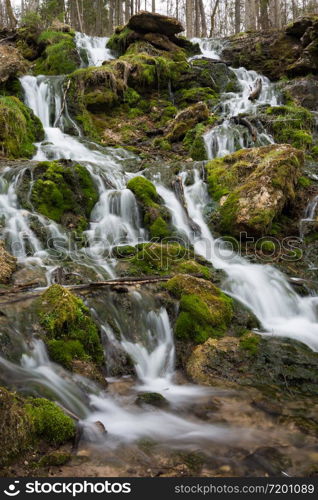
{"type": "Point", "coordinates": [261, 288]}
{"type": "Point", "coordinates": [94, 47]}
{"type": "Point", "coordinates": [228, 137]}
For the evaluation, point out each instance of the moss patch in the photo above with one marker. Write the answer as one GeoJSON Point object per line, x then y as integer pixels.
{"type": "Point", "coordinates": [64, 192]}
{"type": "Point", "coordinates": [204, 310]}
{"type": "Point", "coordinates": [60, 55]}
{"type": "Point", "coordinates": [153, 259]}
{"type": "Point", "coordinates": [292, 125]}
{"type": "Point", "coordinates": [19, 129]}
{"type": "Point", "coordinates": [71, 334]}
{"type": "Point", "coordinates": [156, 217]}
{"type": "Point", "coordinates": [49, 421]}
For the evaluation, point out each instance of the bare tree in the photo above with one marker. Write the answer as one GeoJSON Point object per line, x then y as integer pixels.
{"type": "Point", "coordinates": [250, 14]}
{"type": "Point", "coordinates": [12, 21]}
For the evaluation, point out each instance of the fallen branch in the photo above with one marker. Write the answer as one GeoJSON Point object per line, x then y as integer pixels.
{"type": "Point", "coordinates": [240, 120]}
{"type": "Point", "coordinates": [257, 90]}
{"type": "Point", "coordinates": [9, 38]}
{"type": "Point", "coordinates": [63, 103]}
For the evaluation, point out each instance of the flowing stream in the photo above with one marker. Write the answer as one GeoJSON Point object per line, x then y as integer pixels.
{"type": "Point", "coordinates": [115, 220]}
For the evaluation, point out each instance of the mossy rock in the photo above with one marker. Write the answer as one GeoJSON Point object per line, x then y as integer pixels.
{"type": "Point", "coordinates": [60, 56]}
{"type": "Point", "coordinates": [15, 425]}
{"type": "Point", "coordinates": [70, 332]}
{"type": "Point", "coordinates": [152, 399]}
{"type": "Point", "coordinates": [19, 129]}
{"type": "Point", "coordinates": [291, 124]}
{"type": "Point", "coordinates": [270, 364]}
{"type": "Point", "coordinates": [25, 421]}
{"type": "Point", "coordinates": [156, 217]}
{"type": "Point", "coordinates": [184, 97]}
{"type": "Point", "coordinates": [194, 143]}
{"type": "Point", "coordinates": [204, 310]}
{"type": "Point", "coordinates": [253, 186]}
{"type": "Point", "coordinates": [62, 191]}
{"type": "Point", "coordinates": [121, 39]}
{"type": "Point", "coordinates": [164, 259]}
{"type": "Point", "coordinates": [49, 421]}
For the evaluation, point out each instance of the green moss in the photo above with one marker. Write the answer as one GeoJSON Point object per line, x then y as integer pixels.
{"type": "Point", "coordinates": [151, 398]}
{"type": "Point", "coordinates": [156, 217]}
{"type": "Point", "coordinates": [61, 189]}
{"type": "Point", "coordinates": [131, 97]}
{"type": "Point", "coordinates": [70, 331]}
{"type": "Point", "coordinates": [60, 54]}
{"type": "Point", "coordinates": [194, 143]}
{"type": "Point", "coordinates": [184, 97]}
{"type": "Point", "coordinates": [266, 246]}
{"type": "Point", "coordinates": [55, 459]}
{"type": "Point", "coordinates": [120, 40]}
{"type": "Point", "coordinates": [64, 352]}
{"type": "Point", "coordinates": [19, 129]}
{"type": "Point", "coordinates": [50, 423]}
{"type": "Point", "coordinates": [291, 124]}
{"type": "Point", "coordinates": [204, 311]}
{"type": "Point", "coordinates": [304, 182]}
{"type": "Point", "coordinates": [154, 259]}
{"type": "Point", "coordinates": [250, 342]}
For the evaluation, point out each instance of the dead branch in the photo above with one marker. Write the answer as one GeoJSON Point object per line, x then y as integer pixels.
{"type": "Point", "coordinates": [256, 92]}
{"type": "Point", "coordinates": [240, 120]}
{"type": "Point", "coordinates": [63, 103]}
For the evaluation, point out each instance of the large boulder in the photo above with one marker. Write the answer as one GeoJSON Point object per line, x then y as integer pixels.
{"type": "Point", "coordinates": [253, 186]}
{"type": "Point", "coordinates": [148, 22]}
{"type": "Point", "coordinates": [252, 360]}
{"type": "Point", "coordinates": [12, 64]}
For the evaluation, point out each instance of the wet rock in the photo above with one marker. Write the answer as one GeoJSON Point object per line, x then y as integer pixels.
{"type": "Point", "coordinates": [152, 399]}
{"type": "Point", "coordinates": [272, 365]}
{"type": "Point", "coordinates": [8, 264]}
{"type": "Point", "coordinates": [253, 186]}
{"type": "Point", "coordinates": [304, 91]}
{"type": "Point", "coordinates": [147, 22]}
{"type": "Point", "coordinates": [297, 28]}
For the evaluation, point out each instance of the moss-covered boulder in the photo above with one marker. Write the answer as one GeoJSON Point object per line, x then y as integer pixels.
{"type": "Point", "coordinates": [185, 120]}
{"type": "Point", "coordinates": [161, 259]}
{"type": "Point", "coordinates": [150, 22]}
{"type": "Point", "coordinates": [19, 129]}
{"type": "Point", "coordinates": [62, 191]}
{"type": "Point", "coordinates": [156, 217]}
{"type": "Point", "coordinates": [303, 91]}
{"type": "Point", "coordinates": [204, 311]}
{"type": "Point", "coordinates": [272, 364]}
{"type": "Point", "coordinates": [253, 186]}
{"type": "Point", "coordinates": [70, 332]}
{"type": "Point", "coordinates": [8, 264]}
{"type": "Point", "coordinates": [59, 53]}
{"type": "Point", "coordinates": [25, 421]}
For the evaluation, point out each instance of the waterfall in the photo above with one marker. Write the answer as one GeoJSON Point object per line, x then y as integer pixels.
{"type": "Point", "coordinates": [228, 137]}
{"type": "Point", "coordinates": [262, 289]}
{"type": "Point", "coordinates": [94, 49]}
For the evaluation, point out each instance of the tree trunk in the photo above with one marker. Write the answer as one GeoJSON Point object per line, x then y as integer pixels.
{"type": "Point", "coordinates": [197, 19]}
{"type": "Point", "coordinates": [10, 15]}
{"type": "Point", "coordinates": [213, 15]}
{"type": "Point", "coordinates": [250, 15]}
{"type": "Point", "coordinates": [238, 16]}
{"type": "Point", "coordinates": [204, 29]}
{"type": "Point", "coordinates": [189, 18]}
{"type": "Point", "coordinates": [79, 17]}
{"type": "Point", "coordinates": [153, 6]}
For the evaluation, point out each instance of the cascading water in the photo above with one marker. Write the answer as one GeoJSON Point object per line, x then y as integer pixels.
{"type": "Point", "coordinates": [114, 221]}
{"type": "Point", "coordinates": [92, 49]}
{"type": "Point", "coordinates": [228, 137]}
